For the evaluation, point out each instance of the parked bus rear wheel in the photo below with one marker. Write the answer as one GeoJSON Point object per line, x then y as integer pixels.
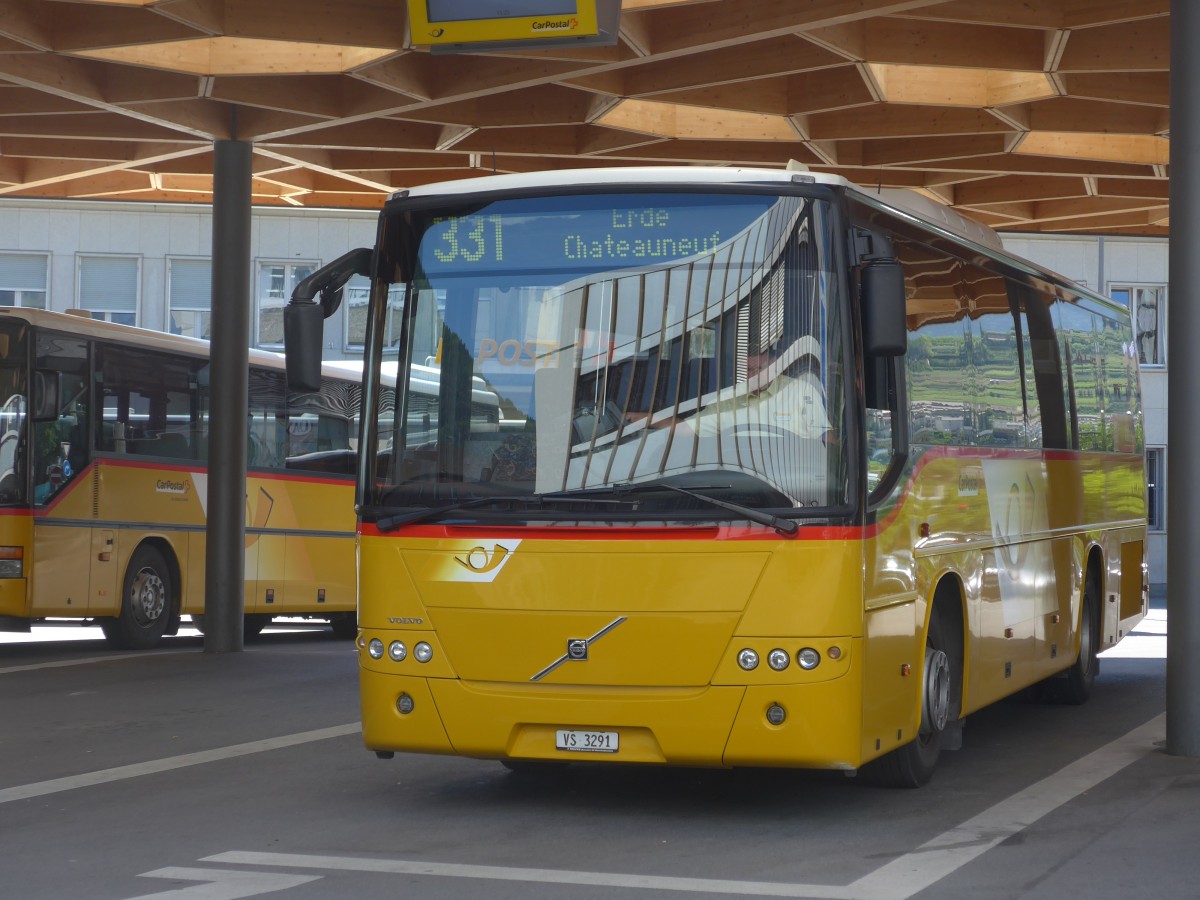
{"type": "Point", "coordinates": [344, 625]}
{"type": "Point", "coordinates": [147, 598]}
{"type": "Point", "coordinates": [1075, 685]}
{"type": "Point", "coordinates": [912, 765]}
{"type": "Point", "coordinates": [253, 625]}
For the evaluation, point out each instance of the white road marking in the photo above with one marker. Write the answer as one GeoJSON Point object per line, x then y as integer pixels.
{"type": "Point", "coordinates": [935, 859]}
{"type": "Point", "coordinates": [223, 884]}
{"type": "Point", "coordinates": [87, 661]}
{"type": "Point", "coordinates": [897, 880]}
{"type": "Point", "coordinates": [154, 766]}
{"type": "Point", "coordinates": [539, 876]}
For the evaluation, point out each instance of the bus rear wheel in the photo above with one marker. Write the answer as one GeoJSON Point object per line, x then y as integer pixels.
{"type": "Point", "coordinates": [1075, 685]}
{"type": "Point", "coordinates": [344, 625]}
{"type": "Point", "coordinates": [147, 598]}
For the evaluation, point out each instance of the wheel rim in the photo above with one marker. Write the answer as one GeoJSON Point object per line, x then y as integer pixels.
{"type": "Point", "coordinates": [147, 597]}
{"type": "Point", "coordinates": [936, 701]}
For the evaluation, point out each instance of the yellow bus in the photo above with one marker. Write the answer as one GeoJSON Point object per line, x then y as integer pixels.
{"type": "Point", "coordinates": [103, 482]}
{"type": "Point", "coordinates": [788, 473]}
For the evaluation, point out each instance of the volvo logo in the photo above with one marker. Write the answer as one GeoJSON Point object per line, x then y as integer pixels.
{"type": "Point", "coordinates": [577, 649]}
{"type": "Point", "coordinates": [405, 620]}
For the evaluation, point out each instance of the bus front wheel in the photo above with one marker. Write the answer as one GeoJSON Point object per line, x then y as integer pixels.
{"type": "Point", "coordinates": [912, 765]}
{"type": "Point", "coordinates": [147, 596]}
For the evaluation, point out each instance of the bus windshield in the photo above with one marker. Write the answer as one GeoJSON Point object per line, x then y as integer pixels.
{"type": "Point", "coordinates": [694, 340]}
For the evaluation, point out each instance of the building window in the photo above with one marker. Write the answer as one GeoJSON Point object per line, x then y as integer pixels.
{"type": "Point", "coordinates": [23, 279]}
{"type": "Point", "coordinates": [108, 287]}
{"type": "Point", "coordinates": [354, 301]}
{"type": "Point", "coordinates": [1147, 305]}
{"type": "Point", "coordinates": [276, 280]}
{"type": "Point", "coordinates": [189, 289]}
{"type": "Point", "coordinates": [1156, 495]}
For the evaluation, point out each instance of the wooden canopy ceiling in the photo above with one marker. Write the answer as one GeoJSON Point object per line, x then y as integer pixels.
{"type": "Point", "coordinates": [1048, 115]}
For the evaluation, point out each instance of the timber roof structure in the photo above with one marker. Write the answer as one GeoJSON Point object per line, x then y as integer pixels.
{"type": "Point", "coordinates": [1038, 115]}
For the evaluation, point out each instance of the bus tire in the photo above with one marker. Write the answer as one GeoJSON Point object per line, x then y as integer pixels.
{"type": "Point", "coordinates": [912, 765]}
{"type": "Point", "coordinates": [1075, 685]}
{"type": "Point", "coordinates": [344, 625]}
{"type": "Point", "coordinates": [253, 625]}
{"type": "Point", "coordinates": [147, 598]}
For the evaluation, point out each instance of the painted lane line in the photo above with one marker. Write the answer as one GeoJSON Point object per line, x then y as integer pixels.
{"type": "Point", "coordinates": [87, 661]}
{"type": "Point", "coordinates": [535, 876]}
{"type": "Point", "coordinates": [951, 850]}
{"type": "Point", "coordinates": [223, 884]}
{"type": "Point", "coordinates": [899, 879]}
{"type": "Point", "coordinates": [154, 766]}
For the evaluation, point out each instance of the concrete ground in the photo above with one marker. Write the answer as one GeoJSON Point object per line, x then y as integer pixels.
{"type": "Point", "coordinates": [181, 774]}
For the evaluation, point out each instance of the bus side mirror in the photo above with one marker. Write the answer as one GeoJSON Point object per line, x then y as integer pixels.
{"type": "Point", "coordinates": [883, 304]}
{"type": "Point", "coordinates": [303, 332]}
{"type": "Point", "coordinates": [304, 316]}
{"type": "Point", "coordinates": [47, 388]}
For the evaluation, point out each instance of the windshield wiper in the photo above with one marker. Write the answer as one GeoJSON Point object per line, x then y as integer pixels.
{"type": "Point", "coordinates": [780, 524]}
{"type": "Point", "coordinates": [389, 523]}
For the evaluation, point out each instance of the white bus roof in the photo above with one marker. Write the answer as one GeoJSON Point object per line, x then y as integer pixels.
{"type": "Point", "coordinates": [86, 326]}
{"type": "Point", "coordinates": [905, 201]}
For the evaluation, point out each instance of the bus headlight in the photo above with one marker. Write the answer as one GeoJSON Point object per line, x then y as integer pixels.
{"type": "Point", "coordinates": [12, 562]}
{"type": "Point", "coordinates": [808, 658]}
{"type": "Point", "coordinates": [397, 651]}
{"type": "Point", "coordinates": [778, 660]}
{"type": "Point", "coordinates": [375, 648]}
{"type": "Point", "coordinates": [748, 659]}
{"type": "Point", "coordinates": [423, 652]}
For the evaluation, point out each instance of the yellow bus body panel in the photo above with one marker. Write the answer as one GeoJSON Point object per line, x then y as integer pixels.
{"type": "Point", "coordinates": [1008, 536]}
{"type": "Point", "coordinates": [300, 542]}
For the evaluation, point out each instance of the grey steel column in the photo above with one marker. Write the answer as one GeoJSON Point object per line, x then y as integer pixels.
{"type": "Point", "coordinates": [1183, 387]}
{"type": "Point", "coordinates": [225, 564]}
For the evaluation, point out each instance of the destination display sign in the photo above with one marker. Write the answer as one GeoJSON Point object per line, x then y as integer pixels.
{"type": "Point", "coordinates": [582, 234]}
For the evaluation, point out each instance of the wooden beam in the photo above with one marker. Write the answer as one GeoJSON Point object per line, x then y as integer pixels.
{"type": "Point", "coordinates": [716, 25]}
{"type": "Point", "coordinates": [1140, 46]}
{"type": "Point", "coordinates": [1019, 189]}
{"type": "Point", "coordinates": [931, 43]}
{"type": "Point", "coordinates": [1148, 88]}
{"type": "Point", "coordinates": [28, 25]}
{"type": "Point", "coordinates": [894, 121]}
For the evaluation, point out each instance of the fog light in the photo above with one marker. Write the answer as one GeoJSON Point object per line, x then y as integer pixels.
{"type": "Point", "coordinates": [748, 659]}
{"type": "Point", "coordinates": [397, 651]}
{"type": "Point", "coordinates": [808, 658]}
{"type": "Point", "coordinates": [423, 652]}
{"type": "Point", "coordinates": [404, 704]}
{"type": "Point", "coordinates": [778, 660]}
{"type": "Point", "coordinates": [375, 648]}
{"type": "Point", "coordinates": [776, 714]}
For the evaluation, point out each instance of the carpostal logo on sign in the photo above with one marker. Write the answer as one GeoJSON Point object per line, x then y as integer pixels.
{"type": "Point", "coordinates": [556, 24]}
{"type": "Point", "coordinates": [168, 486]}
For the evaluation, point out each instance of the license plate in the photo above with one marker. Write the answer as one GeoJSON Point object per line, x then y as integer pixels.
{"type": "Point", "coordinates": [586, 741]}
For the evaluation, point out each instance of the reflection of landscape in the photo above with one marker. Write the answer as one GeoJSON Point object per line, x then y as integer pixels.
{"type": "Point", "coordinates": [980, 375]}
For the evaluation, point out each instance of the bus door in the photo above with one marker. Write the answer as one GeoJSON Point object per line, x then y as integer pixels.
{"type": "Point", "coordinates": [318, 567]}
{"type": "Point", "coordinates": [62, 499]}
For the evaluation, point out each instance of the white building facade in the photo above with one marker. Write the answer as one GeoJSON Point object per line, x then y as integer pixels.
{"type": "Point", "coordinates": [149, 265]}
